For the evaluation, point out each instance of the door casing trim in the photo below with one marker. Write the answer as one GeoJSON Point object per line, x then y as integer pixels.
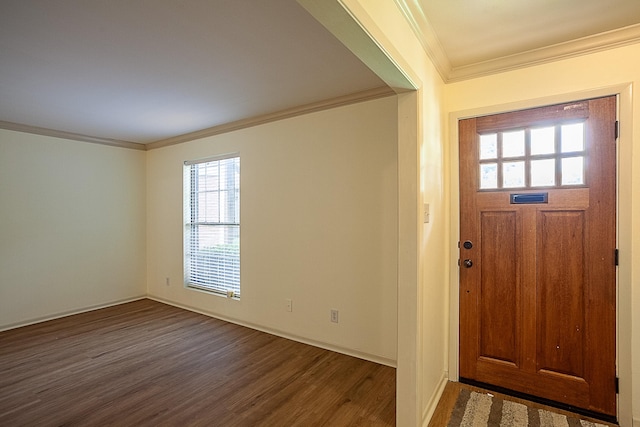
{"type": "Point", "coordinates": [624, 223]}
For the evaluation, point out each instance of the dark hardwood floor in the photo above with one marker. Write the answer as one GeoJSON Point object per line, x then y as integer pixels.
{"type": "Point", "coordinates": [147, 363]}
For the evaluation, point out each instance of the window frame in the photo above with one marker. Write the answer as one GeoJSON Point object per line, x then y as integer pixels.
{"type": "Point", "coordinates": [223, 279]}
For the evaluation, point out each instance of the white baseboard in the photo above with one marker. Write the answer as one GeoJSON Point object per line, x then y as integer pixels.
{"type": "Point", "coordinates": [430, 409]}
{"type": "Point", "coordinates": [69, 313]}
{"type": "Point", "coordinates": [330, 347]}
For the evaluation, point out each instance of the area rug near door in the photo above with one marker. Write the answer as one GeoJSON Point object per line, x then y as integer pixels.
{"type": "Point", "coordinates": [474, 409]}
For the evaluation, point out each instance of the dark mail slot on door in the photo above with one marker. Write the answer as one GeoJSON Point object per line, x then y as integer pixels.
{"type": "Point", "coordinates": [520, 199]}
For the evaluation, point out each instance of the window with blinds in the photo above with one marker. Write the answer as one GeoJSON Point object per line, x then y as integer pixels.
{"type": "Point", "coordinates": [212, 225]}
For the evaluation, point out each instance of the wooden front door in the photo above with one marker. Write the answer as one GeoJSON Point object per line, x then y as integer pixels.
{"type": "Point", "coordinates": [537, 252]}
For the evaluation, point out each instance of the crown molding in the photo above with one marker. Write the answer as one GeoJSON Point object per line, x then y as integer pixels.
{"type": "Point", "coordinates": [367, 95]}
{"type": "Point", "coordinates": [429, 40]}
{"type": "Point", "coordinates": [70, 135]}
{"type": "Point", "coordinates": [582, 46]}
{"type": "Point", "coordinates": [422, 28]}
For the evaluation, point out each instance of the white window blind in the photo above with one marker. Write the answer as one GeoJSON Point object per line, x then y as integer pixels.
{"type": "Point", "coordinates": [212, 225]}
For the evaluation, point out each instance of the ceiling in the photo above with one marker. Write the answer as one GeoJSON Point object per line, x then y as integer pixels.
{"type": "Point", "coordinates": [149, 71]}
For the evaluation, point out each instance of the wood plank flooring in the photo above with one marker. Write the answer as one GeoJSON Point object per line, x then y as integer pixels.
{"type": "Point", "coordinates": [147, 364]}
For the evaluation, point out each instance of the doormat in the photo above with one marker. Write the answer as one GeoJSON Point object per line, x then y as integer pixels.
{"type": "Point", "coordinates": [474, 409]}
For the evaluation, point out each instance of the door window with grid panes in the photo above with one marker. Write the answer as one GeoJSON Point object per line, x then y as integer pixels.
{"type": "Point", "coordinates": [538, 157]}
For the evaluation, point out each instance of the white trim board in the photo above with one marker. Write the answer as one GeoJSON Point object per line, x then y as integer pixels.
{"type": "Point", "coordinates": [430, 407]}
{"type": "Point", "coordinates": [69, 313]}
{"type": "Point", "coordinates": [326, 346]}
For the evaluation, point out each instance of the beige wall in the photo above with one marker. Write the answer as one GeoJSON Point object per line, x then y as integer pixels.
{"type": "Point", "coordinates": [72, 226]}
{"type": "Point", "coordinates": [423, 296]}
{"type": "Point", "coordinates": [318, 226]}
{"type": "Point", "coordinates": [613, 71]}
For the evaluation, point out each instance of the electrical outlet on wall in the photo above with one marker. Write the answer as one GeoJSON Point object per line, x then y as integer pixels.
{"type": "Point", "coordinates": [334, 316]}
{"type": "Point", "coordinates": [167, 281]}
{"type": "Point", "coordinates": [289, 303]}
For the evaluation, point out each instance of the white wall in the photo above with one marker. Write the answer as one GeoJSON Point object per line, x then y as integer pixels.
{"type": "Point", "coordinates": [318, 226]}
{"type": "Point", "coordinates": [612, 71]}
{"type": "Point", "coordinates": [72, 226]}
